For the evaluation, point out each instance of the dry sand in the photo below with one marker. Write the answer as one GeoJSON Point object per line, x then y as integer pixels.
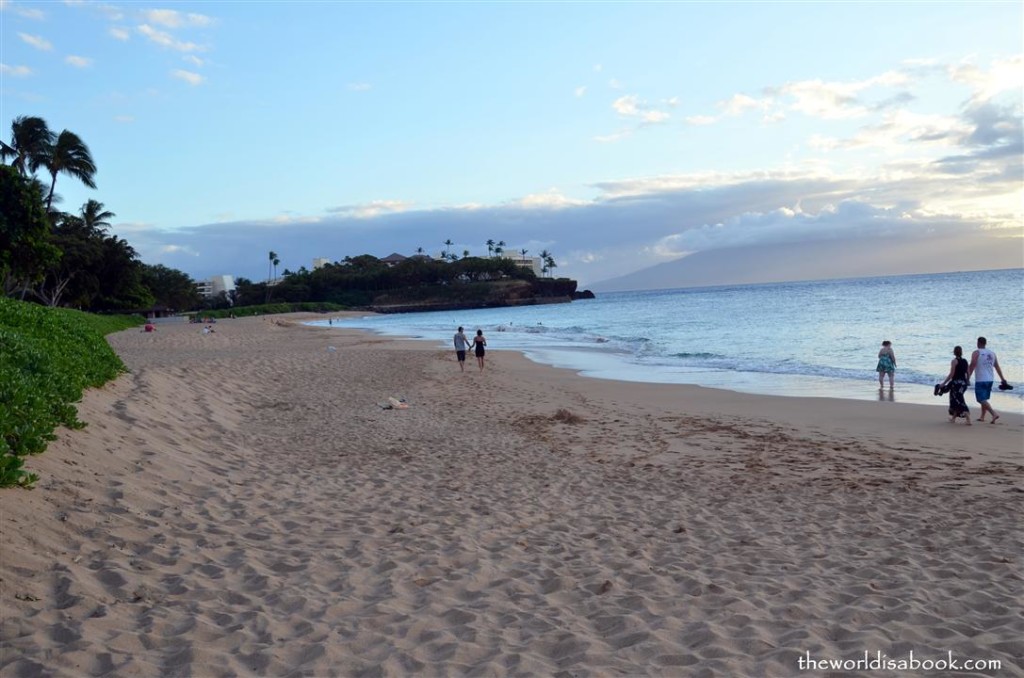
{"type": "Point", "coordinates": [240, 504]}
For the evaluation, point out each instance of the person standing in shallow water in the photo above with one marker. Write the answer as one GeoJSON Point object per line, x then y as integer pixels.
{"type": "Point", "coordinates": [958, 383]}
{"type": "Point", "coordinates": [886, 364]}
{"type": "Point", "coordinates": [478, 347]}
{"type": "Point", "coordinates": [461, 344]}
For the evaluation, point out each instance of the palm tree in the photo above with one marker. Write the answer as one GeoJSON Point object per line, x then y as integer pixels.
{"type": "Point", "coordinates": [271, 262]}
{"type": "Point", "coordinates": [71, 156]}
{"type": "Point", "coordinates": [499, 248]}
{"type": "Point", "coordinates": [465, 254]}
{"type": "Point", "coordinates": [523, 252]}
{"type": "Point", "coordinates": [31, 140]}
{"type": "Point", "coordinates": [447, 246]}
{"type": "Point", "coordinates": [94, 216]}
{"type": "Point", "coordinates": [549, 263]}
{"type": "Point", "coordinates": [276, 261]}
{"type": "Point", "coordinates": [490, 247]}
{"type": "Point", "coordinates": [544, 256]}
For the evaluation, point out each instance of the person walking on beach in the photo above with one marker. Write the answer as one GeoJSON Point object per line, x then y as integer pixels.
{"type": "Point", "coordinates": [461, 344]}
{"type": "Point", "coordinates": [479, 342]}
{"type": "Point", "coordinates": [984, 366]}
{"type": "Point", "coordinates": [957, 383]}
{"type": "Point", "coordinates": [886, 364]}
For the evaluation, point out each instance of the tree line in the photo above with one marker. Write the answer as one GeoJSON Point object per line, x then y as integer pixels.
{"type": "Point", "coordinates": [60, 258]}
{"type": "Point", "coordinates": [362, 280]}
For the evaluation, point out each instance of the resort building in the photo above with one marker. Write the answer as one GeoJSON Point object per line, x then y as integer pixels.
{"type": "Point", "coordinates": [533, 263]}
{"type": "Point", "coordinates": [320, 262]}
{"type": "Point", "coordinates": [215, 285]}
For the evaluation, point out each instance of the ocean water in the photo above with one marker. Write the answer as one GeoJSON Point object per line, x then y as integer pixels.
{"type": "Point", "coordinates": [818, 339]}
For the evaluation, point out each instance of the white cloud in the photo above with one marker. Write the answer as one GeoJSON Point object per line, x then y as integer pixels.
{"type": "Point", "coordinates": [167, 40]}
{"type": "Point", "coordinates": [359, 86]}
{"type": "Point", "coordinates": [188, 76]}
{"type": "Point", "coordinates": [110, 11]}
{"type": "Point", "coordinates": [614, 136]}
{"type": "Point", "coordinates": [739, 104]}
{"type": "Point", "coordinates": [36, 41]}
{"type": "Point", "coordinates": [598, 68]}
{"type": "Point", "coordinates": [701, 120]}
{"type": "Point", "coordinates": [1003, 75]}
{"type": "Point", "coordinates": [24, 12]}
{"type": "Point", "coordinates": [637, 223]}
{"type": "Point", "coordinates": [292, 218]}
{"type": "Point", "coordinates": [825, 100]}
{"type": "Point", "coordinates": [899, 127]}
{"type": "Point", "coordinates": [124, 118]}
{"type": "Point", "coordinates": [374, 208]}
{"type": "Point", "coordinates": [625, 105]}
{"type": "Point", "coordinates": [119, 33]}
{"type": "Point", "coordinates": [78, 61]}
{"type": "Point", "coordinates": [174, 19]}
{"type": "Point", "coordinates": [631, 106]}
{"type": "Point", "coordinates": [178, 249]}
{"type": "Point", "coordinates": [16, 71]}
{"type": "Point", "coordinates": [550, 199]}
{"type": "Point", "coordinates": [194, 60]}
{"type": "Point", "coordinates": [580, 91]}
{"type": "Point", "coordinates": [614, 84]}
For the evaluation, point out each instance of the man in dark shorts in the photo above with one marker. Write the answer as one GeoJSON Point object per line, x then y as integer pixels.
{"type": "Point", "coordinates": [461, 344]}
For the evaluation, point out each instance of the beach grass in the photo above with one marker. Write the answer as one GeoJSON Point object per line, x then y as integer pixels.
{"type": "Point", "coordinates": [50, 356]}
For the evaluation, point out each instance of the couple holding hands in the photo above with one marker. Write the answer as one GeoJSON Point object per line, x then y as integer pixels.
{"type": "Point", "coordinates": [462, 343]}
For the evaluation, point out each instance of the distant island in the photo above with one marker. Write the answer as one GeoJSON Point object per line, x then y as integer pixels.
{"type": "Point", "coordinates": [398, 284]}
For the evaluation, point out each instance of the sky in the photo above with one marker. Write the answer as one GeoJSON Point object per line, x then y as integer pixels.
{"type": "Point", "coordinates": [616, 136]}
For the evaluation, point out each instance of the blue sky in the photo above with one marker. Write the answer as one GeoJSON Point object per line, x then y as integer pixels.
{"type": "Point", "coordinates": [616, 135]}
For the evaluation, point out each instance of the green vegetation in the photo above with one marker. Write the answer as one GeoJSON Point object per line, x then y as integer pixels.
{"type": "Point", "coordinates": [367, 282]}
{"type": "Point", "coordinates": [68, 259]}
{"type": "Point", "coordinates": [269, 309]}
{"type": "Point", "coordinates": [48, 357]}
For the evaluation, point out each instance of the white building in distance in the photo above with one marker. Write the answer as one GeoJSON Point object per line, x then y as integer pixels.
{"type": "Point", "coordinates": [215, 285]}
{"type": "Point", "coordinates": [533, 263]}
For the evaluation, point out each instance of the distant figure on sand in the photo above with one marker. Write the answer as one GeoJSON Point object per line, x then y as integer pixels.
{"type": "Point", "coordinates": [461, 344]}
{"type": "Point", "coordinates": [479, 342]}
{"type": "Point", "coordinates": [958, 383]}
{"type": "Point", "coordinates": [149, 327]}
{"type": "Point", "coordinates": [984, 366]}
{"type": "Point", "coordinates": [886, 363]}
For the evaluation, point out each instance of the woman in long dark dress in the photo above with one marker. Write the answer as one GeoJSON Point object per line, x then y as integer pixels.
{"type": "Point", "coordinates": [957, 381]}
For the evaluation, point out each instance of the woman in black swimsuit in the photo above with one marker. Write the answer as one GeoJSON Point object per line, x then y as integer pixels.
{"type": "Point", "coordinates": [478, 347]}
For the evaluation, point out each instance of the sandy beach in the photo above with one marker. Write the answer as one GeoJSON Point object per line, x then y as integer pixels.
{"type": "Point", "coordinates": [241, 503]}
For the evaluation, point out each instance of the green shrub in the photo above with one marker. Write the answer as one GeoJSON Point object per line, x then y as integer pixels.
{"type": "Point", "coordinates": [48, 357]}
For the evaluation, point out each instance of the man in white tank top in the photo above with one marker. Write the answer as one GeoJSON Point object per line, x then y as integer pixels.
{"type": "Point", "coordinates": [984, 367]}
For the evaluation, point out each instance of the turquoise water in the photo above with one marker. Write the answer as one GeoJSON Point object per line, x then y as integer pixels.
{"type": "Point", "coordinates": [799, 339]}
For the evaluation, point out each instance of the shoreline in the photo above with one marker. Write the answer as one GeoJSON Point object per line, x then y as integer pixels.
{"type": "Point", "coordinates": [607, 368]}
{"type": "Point", "coordinates": [241, 503]}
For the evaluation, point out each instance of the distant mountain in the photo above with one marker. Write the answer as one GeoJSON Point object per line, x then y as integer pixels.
{"type": "Point", "coordinates": [823, 260]}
